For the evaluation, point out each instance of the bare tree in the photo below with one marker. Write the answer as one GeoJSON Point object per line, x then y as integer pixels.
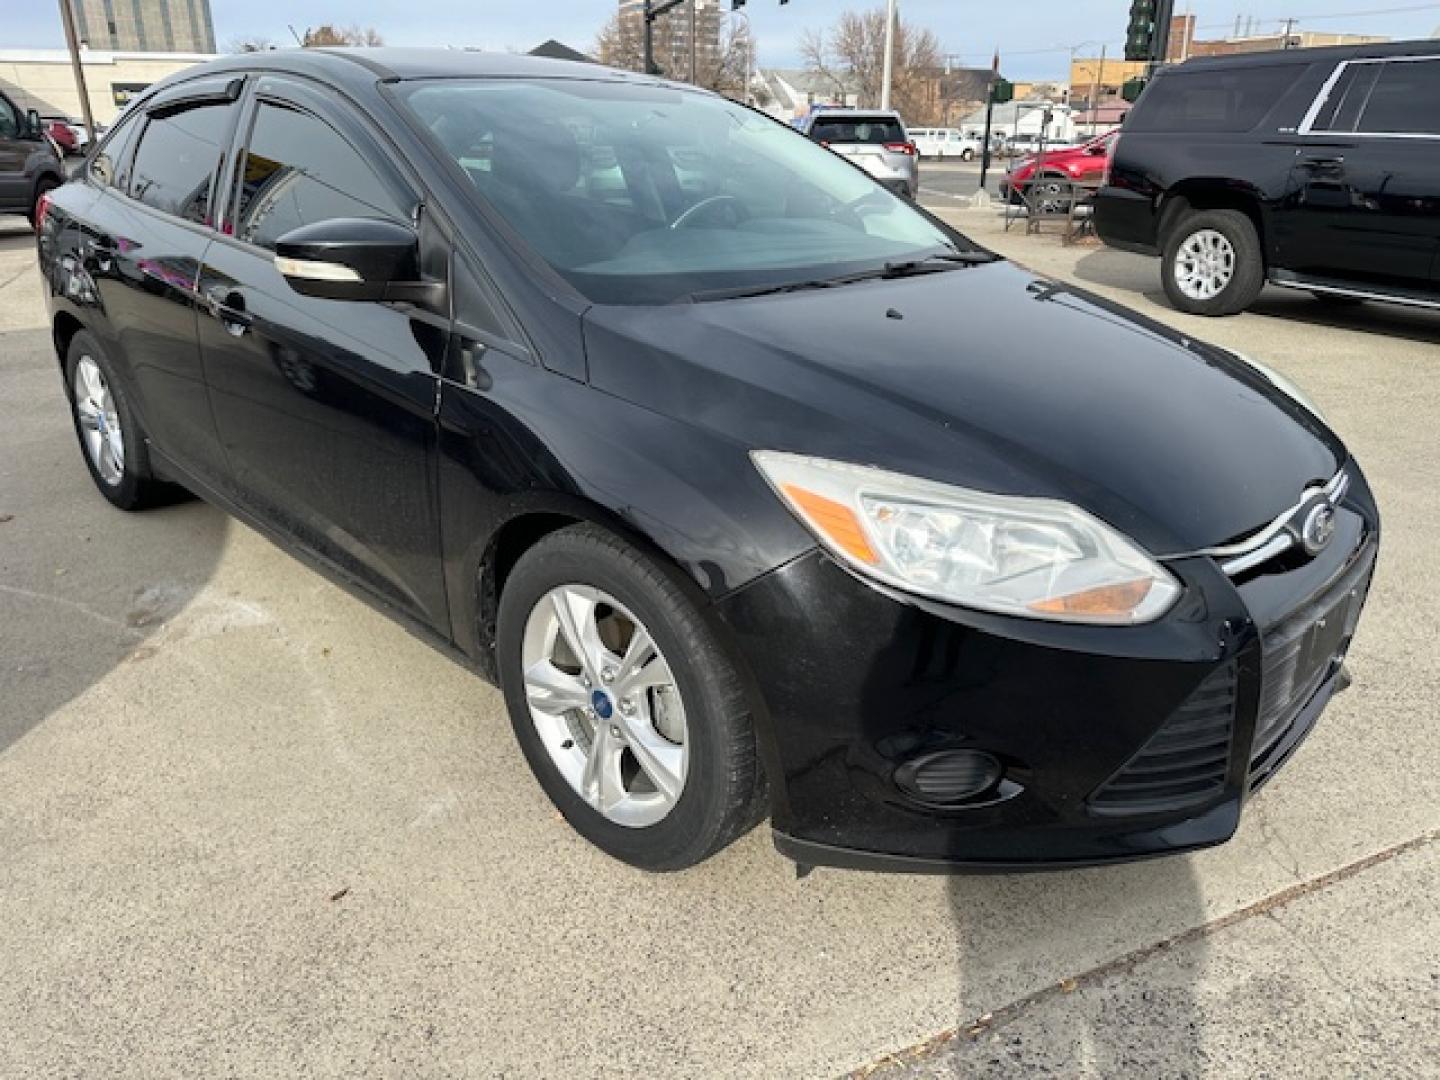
{"type": "Point", "coordinates": [852, 54]}
{"type": "Point", "coordinates": [252, 43]}
{"type": "Point", "coordinates": [327, 34]}
{"type": "Point", "coordinates": [621, 44]}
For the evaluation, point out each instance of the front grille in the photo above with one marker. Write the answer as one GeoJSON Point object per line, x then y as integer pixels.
{"type": "Point", "coordinates": [1299, 654]}
{"type": "Point", "coordinates": [1184, 763]}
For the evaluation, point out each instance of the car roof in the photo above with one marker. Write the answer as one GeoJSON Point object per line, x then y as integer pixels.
{"type": "Point", "coordinates": [367, 65]}
{"type": "Point", "coordinates": [1330, 53]}
{"type": "Point", "coordinates": [847, 111]}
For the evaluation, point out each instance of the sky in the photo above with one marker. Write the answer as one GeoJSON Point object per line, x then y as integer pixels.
{"type": "Point", "coordinates": [1034, 41]}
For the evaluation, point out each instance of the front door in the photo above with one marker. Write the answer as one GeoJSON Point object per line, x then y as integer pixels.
{"type": "Point", "coordinates": [326, 408]}
{"type": "Point", "coordinates": [1364, 195]}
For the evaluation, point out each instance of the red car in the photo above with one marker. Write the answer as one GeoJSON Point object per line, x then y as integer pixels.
{"type": "Point", "coordinates": [1083, 164]}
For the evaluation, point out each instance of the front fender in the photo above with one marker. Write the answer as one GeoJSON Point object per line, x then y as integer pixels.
{"type": "Point", "coordinates": [533, 443]}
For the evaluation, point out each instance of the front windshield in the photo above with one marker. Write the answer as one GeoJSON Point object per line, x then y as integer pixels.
{"type": "Point", "coordinates": [645, 194]}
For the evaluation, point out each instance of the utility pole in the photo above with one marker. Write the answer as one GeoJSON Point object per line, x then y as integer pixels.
{"type": "Point", "coordinates": [989, 117]}
{"type": "Point", "coordinates": [652, 12]}
{"type": "Point", "coordinates": [1095, 91]}
{"type": "Point", "coordinates": [1289, 25]}
{"type": "Point", "coordinates": [72, 40]}
{"type": "Point", "coordinates": [889, 66]}
{"type": "Point", "coordinates": [694, 44]}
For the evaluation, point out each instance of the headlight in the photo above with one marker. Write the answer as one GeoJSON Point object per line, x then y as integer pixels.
{"type": "Point", "coordinates": [1284, 385]}
{"type": "Point", "coordinates": [1039, 558]}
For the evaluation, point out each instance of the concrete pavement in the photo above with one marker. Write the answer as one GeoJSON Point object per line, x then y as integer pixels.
{"type": "Point", "coordinates": [250, 827]}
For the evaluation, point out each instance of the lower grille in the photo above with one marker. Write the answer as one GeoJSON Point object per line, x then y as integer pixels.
{"type": "Point", "coordinates": [1184, 763]}
{"type": "Point", "coordinates": [1300, 654]}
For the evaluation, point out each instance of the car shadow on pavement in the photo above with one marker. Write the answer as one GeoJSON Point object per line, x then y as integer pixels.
{"type": "Point", "coordinates": [1058, 948]}
{"type": "Point", "coordinates": [1386, 320]}
{"type": "Point", "coordinates": [1042, 956]}
{"type": "Point", "coordinates": [83, 587]}
{"type": "Point", "coordinates": [1140, 274]}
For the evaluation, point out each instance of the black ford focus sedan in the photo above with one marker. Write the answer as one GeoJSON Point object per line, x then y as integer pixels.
{"type": "Point", "coordinates": [758, 490]}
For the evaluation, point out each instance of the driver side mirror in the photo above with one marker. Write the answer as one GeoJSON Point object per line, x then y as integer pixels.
{"type": "Point", "coordinates": [355, 259]}
{"type": "Point", "coordinates": [34, 128]}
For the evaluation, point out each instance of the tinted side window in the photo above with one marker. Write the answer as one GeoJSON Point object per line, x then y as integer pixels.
{"type": "Point", "coordinates": [299, 170]}
{"type": "Point", "coordinates": [9, 120]}
{"type": "Point", "coordinates": [177, 159]}
{"type": "Point", "coordinates": [109, 164]}
{"type": "Point", "coordinates": [1406, 100]}
{"type": "Point", "coordinates": [1211, 101]}
{"type": "Point", "coordinates": [1342, 108]}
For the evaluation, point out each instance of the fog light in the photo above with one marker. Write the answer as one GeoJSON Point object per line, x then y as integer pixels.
{"type": "Point", "coordinates": [944, 777]}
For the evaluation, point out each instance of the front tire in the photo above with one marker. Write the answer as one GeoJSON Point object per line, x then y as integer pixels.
{"type": "Point", "coordinates": [111, 439]}
{"type": "Point", "coordinates": [627, 707]}
{"type": "Point", "coordinates": [1212, 263]}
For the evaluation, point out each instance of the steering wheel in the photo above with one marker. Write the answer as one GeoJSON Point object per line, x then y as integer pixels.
{"type": "Point", "coordinates": [742, 212]}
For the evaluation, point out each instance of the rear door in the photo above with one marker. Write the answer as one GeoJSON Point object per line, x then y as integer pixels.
{"type": "Point", "coordinates": [1364, 202]}
{"type": "Point", "coordinates": [141, 243]}
{"type": "Point", "coordinates": [326, 408]}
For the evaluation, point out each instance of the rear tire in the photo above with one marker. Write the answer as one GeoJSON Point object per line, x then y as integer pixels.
{"type": "Point", "coordinates": [558, 705]}
{"type": "Point", "coordinates": [112, 441]}
{"type": "Point", "coordinates": [44, 187]}
{"type": "Point", "coordinates": [1212, 263]}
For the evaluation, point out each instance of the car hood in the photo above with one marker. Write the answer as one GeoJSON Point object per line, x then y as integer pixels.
{"type": "Point", "coordinates": [988, 377]}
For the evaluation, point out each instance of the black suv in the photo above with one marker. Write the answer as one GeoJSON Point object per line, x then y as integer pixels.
{"type": "Point", "coordinates": [1315, 169]}
{"type": "Point", "coordinates": [29, 165]}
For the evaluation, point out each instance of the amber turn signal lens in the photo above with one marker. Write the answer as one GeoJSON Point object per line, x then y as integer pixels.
{"type": "Point", "coordinates": [1118, 599]}
{"type": "Point", "coordinates": [835, 521]}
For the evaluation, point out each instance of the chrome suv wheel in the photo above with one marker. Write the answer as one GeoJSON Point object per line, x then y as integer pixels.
{"type": "Point", "coordinates": [629, 708]}
{"type": "Point", "coordinates": [1204, 264]}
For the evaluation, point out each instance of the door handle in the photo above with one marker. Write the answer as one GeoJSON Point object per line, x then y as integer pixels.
{"type": "Point", "coordinates": [229, 308]}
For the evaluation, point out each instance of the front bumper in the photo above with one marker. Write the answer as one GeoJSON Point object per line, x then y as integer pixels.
{"type": "Point", "coordinates": [1114, 743]}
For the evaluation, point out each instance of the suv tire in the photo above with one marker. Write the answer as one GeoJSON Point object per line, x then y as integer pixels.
{"type": "Point", "coordinates": [1212, 263]}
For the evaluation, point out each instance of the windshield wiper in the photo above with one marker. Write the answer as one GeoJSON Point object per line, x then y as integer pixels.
{"type": "Point", "coordinates": [926, 264]}
{"type": "Point", "coordinates": [742, 291]}
{"type": "Point", "coordinates": [942, 260]}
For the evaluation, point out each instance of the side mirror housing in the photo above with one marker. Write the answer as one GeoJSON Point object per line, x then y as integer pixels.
{"type": "Point", "coordinates": [34, 128]}
{"type": "Point", "coordinates": [355, 259]}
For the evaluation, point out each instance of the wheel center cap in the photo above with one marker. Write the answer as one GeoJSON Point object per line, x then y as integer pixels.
{"type": "Point", "coordinates": [602, 703]}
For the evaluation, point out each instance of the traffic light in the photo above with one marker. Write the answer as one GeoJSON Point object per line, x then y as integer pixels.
{"type": "Point", "coordinates": [1132, 88]}
{"type": "Point", "coordinates": [736, 5]}
{"type": "Point", "coordinates": [1002, 91]}
{"type": "Point", "coordinates": [1147, 37]}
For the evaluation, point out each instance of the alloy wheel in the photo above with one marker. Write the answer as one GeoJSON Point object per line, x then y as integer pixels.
{"type": "Point", "coordinates": [1204, 264]}
{"type": "Point", "coordinates": [605, 704]}
{"type": "Point", "coordinates": [99, 421]}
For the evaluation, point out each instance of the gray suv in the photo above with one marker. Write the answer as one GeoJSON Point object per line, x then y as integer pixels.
{"type": "Point", "coordinates": [29, 165]}
{"type": "Point", "coordinates": [872, 139]}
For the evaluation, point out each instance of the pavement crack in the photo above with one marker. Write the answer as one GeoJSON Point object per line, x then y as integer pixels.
{"type": "Point", "coordinates": [1127, 963]}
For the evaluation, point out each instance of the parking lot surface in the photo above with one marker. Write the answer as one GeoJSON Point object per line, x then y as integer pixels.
{"type": "Point", "coordinates": [250, 827]}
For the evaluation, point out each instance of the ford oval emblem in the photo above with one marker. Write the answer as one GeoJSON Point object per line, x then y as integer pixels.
{"type": "Point", "coordinates": [1318, 528]}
